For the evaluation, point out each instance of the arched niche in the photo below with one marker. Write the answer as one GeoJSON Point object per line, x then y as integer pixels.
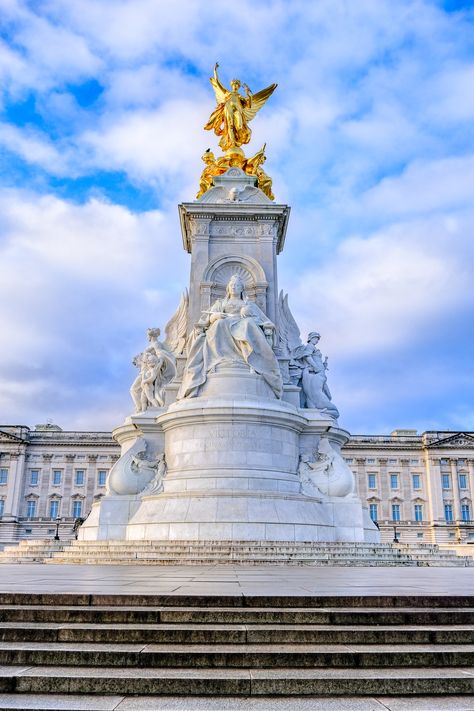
{"type": "Point", "coordinates": [218, 272]}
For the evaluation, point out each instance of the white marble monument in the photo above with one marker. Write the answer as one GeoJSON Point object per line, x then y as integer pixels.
{"type": "Point", "coordinates": [235, 436]}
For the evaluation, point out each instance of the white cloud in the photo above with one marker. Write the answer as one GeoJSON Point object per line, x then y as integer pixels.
{"type": "Point", "coordinates": [149, 143]}
{"type": "Point", "coordinates": [80, 283]}
{"type": "Point", "coordinates": [34, 148]}
{"type": "Point", "coordinates": [424, 186]}
{"type": "Point", "coordinates": [391, 290]}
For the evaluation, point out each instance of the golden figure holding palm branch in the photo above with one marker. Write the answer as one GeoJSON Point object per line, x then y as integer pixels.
{"type": "Point", "coordinates": [231, 118]}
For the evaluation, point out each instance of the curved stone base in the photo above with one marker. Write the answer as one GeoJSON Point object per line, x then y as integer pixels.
{"type": "Point", "coordinates": [232, 459]}
{"type": "Point", "coordinates": [246, 517]}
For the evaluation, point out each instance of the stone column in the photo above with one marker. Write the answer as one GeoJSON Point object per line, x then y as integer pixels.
{"type": "Point", "coordinates": [15, 485]}
{"type": "Point", "coordinates": [90, 484]}
{"type": "Point", "coordinates": [267, 235]}
{"type": "Point", "coordinates": [470, 464]}
{"type": "Point", "coordinates": [200, 229]}
{"type": "Point", "coordinates": [45, 484]}
{"type": "Point", "coordinates": [405, 491]}
{"type": "Point", "coordinates": [434, 490]}
{"type": "Point", "coordinates": [68, 483]}
{"type": "Point", "coordinates": [455, 486]}
{"type": "Point", "coordinates": [360, 474]}
{"type": "Point", "coordinates": [384, 491]}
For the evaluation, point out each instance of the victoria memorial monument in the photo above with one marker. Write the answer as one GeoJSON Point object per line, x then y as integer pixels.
{"type": "Point", "coordinates": [235, 436]}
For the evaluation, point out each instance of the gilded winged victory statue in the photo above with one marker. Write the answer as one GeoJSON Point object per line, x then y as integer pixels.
{"type": "Point", "coordinates": [231, 118]}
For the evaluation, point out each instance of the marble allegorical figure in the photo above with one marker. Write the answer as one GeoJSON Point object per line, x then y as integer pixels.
{"type": "Point", "coordinates": [325, 472]}
{"type": "Point", "coordinates": [137, 471]}
{"type": "Point", "coordinates": [234, 331]}
{"type": "Point", "coordinates": [157, 367]}
{"type": "Point", "coordinates": [308, 366]}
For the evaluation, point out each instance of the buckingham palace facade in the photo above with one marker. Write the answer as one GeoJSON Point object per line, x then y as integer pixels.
{"type": "Point", "coordinates": [418, 487]}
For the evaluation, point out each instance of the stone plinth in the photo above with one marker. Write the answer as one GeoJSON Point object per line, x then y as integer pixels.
{"type": "Point", "coordinates": [232, 473]}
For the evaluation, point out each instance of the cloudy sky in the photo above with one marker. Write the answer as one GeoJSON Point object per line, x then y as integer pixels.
{"type": "Point", "coordinates": [370, 138]}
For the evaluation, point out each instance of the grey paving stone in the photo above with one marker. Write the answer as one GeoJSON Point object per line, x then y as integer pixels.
{"type": "Point", "coordinates": [83, 580]}
{"type": "Point", "coordinates": [428, 703]}
{"type": "Point", "coordinates": [222, 703]}
{"type": "Point", "coordinates": [59, 702]}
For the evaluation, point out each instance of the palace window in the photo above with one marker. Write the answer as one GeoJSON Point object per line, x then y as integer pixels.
{"type": "Point", "coordinates": [372, 480]}
{"type": "Point", "coordinates": [418, 512]}
{"type": "Point", "coordinates": [53, 508]}
{"type": "Point", "coordinates": [77, 508]}
{"type": "Point", "coordinates": [445, 481]}
{"type": "Point", "coordinates": [416, 481]}
{"type": "Point", "coordinates": [392, 461]}
{"type": "Point", "coordinates": [461, 462]}
{"type": "Point", "coordinates": [394, 481]}
{"type": "Point", "coordinates": [448, 512]}
{"type": "Point", "coordinates": [395, 512]}
{"type": "Point", "coordinates": [2, 506]}
{"type": "Point", "coordinates": [373, 512]}
{"type": "Point", "coordinates": [101, 477]}
{"type": "Point", "coordinates": [79, 477]}
{"type": "Point", "coordinates": [465, 512]}
{"type": "Point", "coordinates": [415, 461]}
{"type": "Point", "coordinates": [443, 462]}
{"type": "Point", "coordinates": [57, 477]}
{"type": "Point", "coordinates": [370, 461]}
{"type": "Point", "coordinates": [462, 481]}
{"type": "Point", "coordinates": [31, 508]}
{"type": "Point", "coordinates": [3, 476]}
{"type": "Point", "coordinates": [34, 477]}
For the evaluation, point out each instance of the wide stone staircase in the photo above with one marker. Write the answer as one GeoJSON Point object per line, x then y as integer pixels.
{"type": "Point", "coordinates": [249, 646]}
{"type": "Point", "coordinates": [235, 552]}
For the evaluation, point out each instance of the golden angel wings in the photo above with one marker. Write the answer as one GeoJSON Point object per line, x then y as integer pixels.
{"type": "Point", "coordinates": [233, 113]}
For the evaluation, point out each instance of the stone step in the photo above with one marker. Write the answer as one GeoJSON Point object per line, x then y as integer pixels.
{"type": "Point", "coordinates": [215, 616]}
{"type": "Point", "coordinates": [236, 634]}
{"type": "Point", "coordinates": [237, 682]}
{"type": "Point", "coordinates": [231, 656]}
{"type": "Point", "coordinates": [166, 553]}
{"type": "Point", "coordinates": [257, 562]}
{"type": "Point", "coordinates": [63, 600]}
{"type": "Point", "coordinates": [189, 552]}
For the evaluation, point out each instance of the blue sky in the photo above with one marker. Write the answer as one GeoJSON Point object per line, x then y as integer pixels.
{"type": "Point", "coordinates": [370, 138]}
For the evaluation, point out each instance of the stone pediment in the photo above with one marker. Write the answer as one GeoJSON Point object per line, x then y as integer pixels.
{"type": "Point", "coordinates": [460, 439]}
{"type": "Point", "coordinates": [10, 437]}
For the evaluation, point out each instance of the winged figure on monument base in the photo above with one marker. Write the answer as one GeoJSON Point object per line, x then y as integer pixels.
{"type": "Point", "coordinates": [307, 367]}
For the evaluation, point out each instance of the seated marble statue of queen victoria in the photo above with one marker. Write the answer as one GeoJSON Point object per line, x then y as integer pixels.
{"type": "Point", "coordinates": [232, 331]}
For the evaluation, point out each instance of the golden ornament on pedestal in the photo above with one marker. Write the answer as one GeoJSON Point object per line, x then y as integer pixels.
{"type": "Point", "coordinates": [230, 121]}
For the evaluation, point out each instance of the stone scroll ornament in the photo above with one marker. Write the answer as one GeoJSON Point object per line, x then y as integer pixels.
{"type": "Point", "coordinates": [157, 364]}
{"type": "Point", "coordinates": [307, 367]}
{"type": "Point", "coordinates": [325, 472]}
{"type": "Point", "coordinates": [136, 472]}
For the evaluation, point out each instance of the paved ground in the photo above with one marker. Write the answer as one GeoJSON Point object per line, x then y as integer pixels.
{"type": "Point", "coordinates": [222, 703]}
{"type": "Point", "coordinates": [235, 580]}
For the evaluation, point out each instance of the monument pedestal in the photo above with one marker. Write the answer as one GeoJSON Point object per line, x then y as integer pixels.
{"type": "Point", "coordinates": [245, 444]}
{"type": "Point", "coordinates": [232, 473]}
